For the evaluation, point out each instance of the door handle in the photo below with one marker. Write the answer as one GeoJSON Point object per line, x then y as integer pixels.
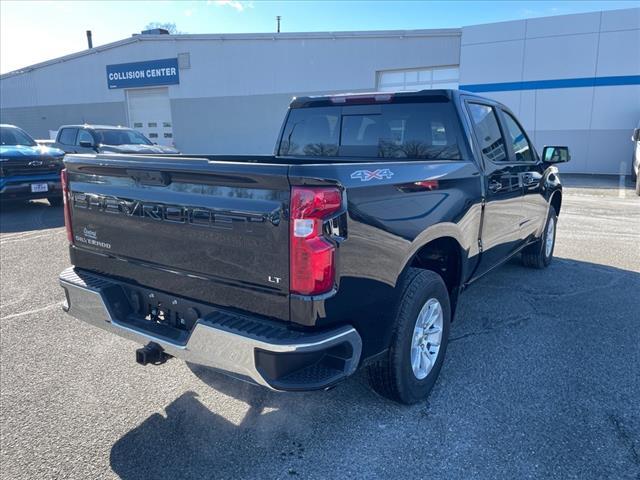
{"type": "Point", "coordinates": [528, 179]}
{"type": "Point", "coordinates": [494, 186]}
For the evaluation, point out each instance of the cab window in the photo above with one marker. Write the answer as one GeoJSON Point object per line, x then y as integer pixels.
{"type": "Point", "coordinates": [68, 136]}
{"type": "Point", "coordinates": [84, 136]}
{"type": "Point", "coordinates": [425, 131]}
{"type": "Point", "coordinates": [521, 148]}
{"type": "Point", "coordinates": [488, 133]}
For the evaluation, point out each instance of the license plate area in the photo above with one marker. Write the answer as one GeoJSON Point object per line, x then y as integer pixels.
{"type": "Point", "coordinates": [39, 187]}
{"type": "Point", "coordinates": [160, 309]}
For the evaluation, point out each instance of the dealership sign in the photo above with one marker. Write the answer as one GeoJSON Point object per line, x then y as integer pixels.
{"type": "Point", "coordinates": [143, 74]}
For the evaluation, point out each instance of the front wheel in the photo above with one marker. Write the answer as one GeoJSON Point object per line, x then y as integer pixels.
{"type": "Point", "coordinates": [419, 341]}
{"type": "Point", "coordinates": [540, 253]}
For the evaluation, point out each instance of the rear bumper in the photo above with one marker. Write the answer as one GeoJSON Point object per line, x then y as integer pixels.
{"type": "Point", "coordinates": [248, 348]}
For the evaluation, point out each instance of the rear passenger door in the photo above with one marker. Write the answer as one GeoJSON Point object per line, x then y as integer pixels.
{"type": "Point", "coordinates": [501, 229]}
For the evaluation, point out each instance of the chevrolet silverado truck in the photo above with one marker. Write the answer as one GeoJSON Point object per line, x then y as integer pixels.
{"type": "Point", "coordinates": [28, 170]}
{"type": "Point", "coordinates": [347, 248]}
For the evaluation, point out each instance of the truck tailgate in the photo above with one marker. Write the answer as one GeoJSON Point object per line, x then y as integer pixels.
{"type": "Point", "coordinates": [216, 232]}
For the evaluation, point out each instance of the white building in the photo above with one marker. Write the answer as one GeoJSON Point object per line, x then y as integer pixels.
{"type": "Point", "coordinates": [572, 80]}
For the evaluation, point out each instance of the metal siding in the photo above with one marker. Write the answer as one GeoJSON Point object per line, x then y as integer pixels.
{"type": "Point", "coordinates": [541, 64]}
{"type": "Point", "coordinates": [37, 121]}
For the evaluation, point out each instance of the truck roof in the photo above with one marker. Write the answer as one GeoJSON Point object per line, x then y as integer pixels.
{"type": "Point", "coordinates": [361, 98]}
{"type": "Point", "coordinates": [102, 127]}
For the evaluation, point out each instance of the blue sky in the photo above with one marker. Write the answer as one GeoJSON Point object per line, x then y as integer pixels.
{"type": "Point", "coordinates": [34, 31]}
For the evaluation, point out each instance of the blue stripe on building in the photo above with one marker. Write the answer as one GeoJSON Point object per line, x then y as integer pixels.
{"type": "Point", "coordinates": [548, 84]}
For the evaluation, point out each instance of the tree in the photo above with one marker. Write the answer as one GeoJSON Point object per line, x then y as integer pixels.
{"type": "Point", "coordinates": [170, 27]}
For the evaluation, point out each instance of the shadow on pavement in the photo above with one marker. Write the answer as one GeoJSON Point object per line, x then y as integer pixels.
{"type": "Point", "coordinates": [29, 216]}
{"type": "Point", "coordinates": [541, 380]}
{"type": "Point", "coordinates": [193, 441]}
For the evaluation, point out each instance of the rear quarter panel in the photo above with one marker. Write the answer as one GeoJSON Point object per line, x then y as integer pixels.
{"type": "Point", "coordinates": [389, 219]}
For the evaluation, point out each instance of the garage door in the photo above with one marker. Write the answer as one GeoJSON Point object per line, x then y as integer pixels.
{"type": "Point", "coordinates": [150, 113]}
{"type": "Point", "coordinates": [418, 79]}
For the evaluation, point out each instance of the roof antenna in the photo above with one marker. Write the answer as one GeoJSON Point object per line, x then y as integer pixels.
{"type": "Point", "coordinates": [278, 17]}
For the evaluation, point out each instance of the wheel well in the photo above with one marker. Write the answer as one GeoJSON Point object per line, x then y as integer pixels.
{"type": "Point", "coordinates": [443, 256]}
{"type": "Point", "coordinates": [556, 202]}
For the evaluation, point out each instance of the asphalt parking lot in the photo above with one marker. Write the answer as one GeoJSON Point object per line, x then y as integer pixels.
{"type": "Point", "coordinates": [541, 380]}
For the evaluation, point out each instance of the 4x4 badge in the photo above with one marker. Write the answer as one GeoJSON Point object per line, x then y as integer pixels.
{"type": "Point", "coordinates": [366, 175]}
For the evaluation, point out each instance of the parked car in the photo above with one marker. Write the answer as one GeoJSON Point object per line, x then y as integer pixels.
{"type": "Point", "coordinates": [28, 170]}
{"type": "Point", "coordinates": [348, 248]}
{"type": "Point", "coordinates": [635, 162]}
{"type": "Point", "coordinates": [106, 139]}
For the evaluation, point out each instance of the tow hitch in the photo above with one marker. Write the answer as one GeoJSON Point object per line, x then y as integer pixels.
{"type": "Point", "coordinates": [151, 353]}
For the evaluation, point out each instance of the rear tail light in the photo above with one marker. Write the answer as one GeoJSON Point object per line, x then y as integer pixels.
{"type": "Point", "coordinates": [64, 179]}
{"type": "Point", "coordinates": [312, 254]}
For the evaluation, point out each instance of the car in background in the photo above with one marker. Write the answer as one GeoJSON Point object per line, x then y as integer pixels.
{"type": "Point", "coordinates": [28, 170]}
{"type": "Point", "coordinates": [106, 139]}
{"type": "Point", "coordinates": [635, 162]}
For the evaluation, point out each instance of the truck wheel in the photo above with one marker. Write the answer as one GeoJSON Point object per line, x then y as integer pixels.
{"type": "Point", "coordinates": [419, 341]}
{"type": "Point", "coordinates": [540, 253]}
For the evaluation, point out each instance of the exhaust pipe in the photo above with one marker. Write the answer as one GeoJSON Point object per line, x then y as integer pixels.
{"type": "Point", "coordinates": [89, 40]}
{"type": "Point", "coordinates": [151, 353]}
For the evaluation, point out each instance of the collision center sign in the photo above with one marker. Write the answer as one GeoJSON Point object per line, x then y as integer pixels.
{"type": "Point", "coordinates": [143, 74]}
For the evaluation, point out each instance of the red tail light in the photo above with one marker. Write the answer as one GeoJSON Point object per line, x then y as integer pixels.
{"type": "Point", "coordinates": [64, 179]}
{"type": "Point", "coordinates": [312, 255]}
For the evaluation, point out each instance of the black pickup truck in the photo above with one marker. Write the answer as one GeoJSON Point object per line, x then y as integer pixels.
{"type": "Point", "coordinates": [347, 248]}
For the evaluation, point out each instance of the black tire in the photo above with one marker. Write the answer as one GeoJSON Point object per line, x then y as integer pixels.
{"type": "Point", "coordinates": [535, 255]}
{"type": "Point", "coordinates": [55, 201]}
{"type": "Point", "coordinates": [393, 376]}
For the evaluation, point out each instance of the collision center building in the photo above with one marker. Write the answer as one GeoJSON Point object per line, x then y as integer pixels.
{"type": "Point", "coordinates": [572, 80]}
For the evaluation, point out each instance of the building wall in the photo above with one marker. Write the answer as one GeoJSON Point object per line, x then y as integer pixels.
{"type": "Point", "coordinates": [39, 120]}
{"type": "Point", "coordinates": [235, 94]}
{"type": "Point", "coordinates": [509, 62]}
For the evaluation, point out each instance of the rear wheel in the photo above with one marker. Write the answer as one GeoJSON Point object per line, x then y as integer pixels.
{"type": "Point", "coordinates": [540, 253]}
{"type": "Point", "coordinates": [421, 331]}
{"type": "Point", "coordinates": [55, 201]}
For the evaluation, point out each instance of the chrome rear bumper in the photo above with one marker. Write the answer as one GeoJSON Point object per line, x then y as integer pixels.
{"type": "Point", "coordinates": [243, 347]}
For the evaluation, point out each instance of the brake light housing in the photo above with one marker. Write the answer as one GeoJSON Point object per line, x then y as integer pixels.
{"type": "Point", "coordinates": [312, 253]}
{"type": "Point", "coordinates": [66, 198]}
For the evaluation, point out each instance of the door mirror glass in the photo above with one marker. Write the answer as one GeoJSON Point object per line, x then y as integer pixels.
{"type": "Point", "coordinates": [555, 154]}
{"type": "Point", "coordinates": [86, 144]}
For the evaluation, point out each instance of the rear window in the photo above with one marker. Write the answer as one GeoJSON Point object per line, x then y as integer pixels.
{"type": "Point", "coordinates": [428, 131]}
{"type": "Point", "coordinates": [121, 137]}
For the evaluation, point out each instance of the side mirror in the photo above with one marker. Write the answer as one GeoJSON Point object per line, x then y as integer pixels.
{"type": "Point", "coordinates": [636, 135]}
{"type": "Point", "coordinates": [555, 154]}
{"type": "Point", "coordinates": [86, 144]}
